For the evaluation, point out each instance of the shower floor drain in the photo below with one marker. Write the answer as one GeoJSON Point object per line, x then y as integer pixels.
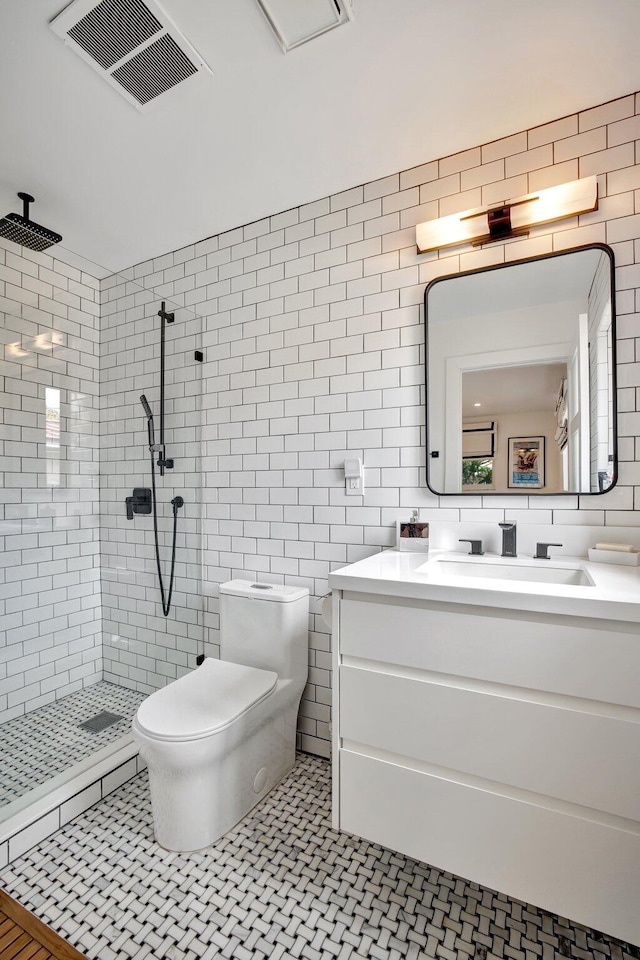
{"type": "Point", "coordinates": [100, 722]}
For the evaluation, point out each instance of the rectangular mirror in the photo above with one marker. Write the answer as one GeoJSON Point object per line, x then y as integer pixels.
{"type": "Point", "coordinates": [521, 377]}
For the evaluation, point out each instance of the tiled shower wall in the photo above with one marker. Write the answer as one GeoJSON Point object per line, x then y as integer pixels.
{"type": "Point", "coordinates": [142, 649]}
{"type": "Point", "coordinates": [50, 627]}
{"type": "Point", "coordinates": [314, 352]}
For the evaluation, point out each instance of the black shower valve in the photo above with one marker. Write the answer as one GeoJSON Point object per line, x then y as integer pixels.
{"type": "Point", "coordinates": [139, 502]}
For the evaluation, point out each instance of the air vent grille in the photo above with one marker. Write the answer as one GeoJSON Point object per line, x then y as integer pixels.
{"type": "Point", "coordinates": [113, 29]}
{"type": "Point", "coordinates": [154, 70]}
{"type": "Point", "coordinates": [132, 44]}
{"type": "Point", "coordinates": [295, 22]}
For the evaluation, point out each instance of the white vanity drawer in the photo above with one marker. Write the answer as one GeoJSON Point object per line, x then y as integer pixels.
{"type": "Point", "coordinates": [579, 868]}
{"type": "Point", "coordinates": [535, 651]}
{"type": "Point", "coordinates": [553, 750]}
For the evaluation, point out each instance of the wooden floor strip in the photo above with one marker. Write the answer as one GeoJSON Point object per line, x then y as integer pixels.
{"type": "Point", "coordinates": [29, 954]}
{"type": "Point", "coordinates": [24, 937]}
{"type": "Point", "coordinates": [17, 949]}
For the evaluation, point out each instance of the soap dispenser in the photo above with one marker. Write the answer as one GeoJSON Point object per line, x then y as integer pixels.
{"type": "Point", "coordinates": [412, 535]}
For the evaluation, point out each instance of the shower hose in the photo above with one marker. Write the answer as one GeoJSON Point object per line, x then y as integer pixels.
{"type": "Point", "coordinates": [176, 503]}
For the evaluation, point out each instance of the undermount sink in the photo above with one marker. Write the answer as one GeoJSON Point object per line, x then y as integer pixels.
{"type": "Point", "coordinates": [572, 575]}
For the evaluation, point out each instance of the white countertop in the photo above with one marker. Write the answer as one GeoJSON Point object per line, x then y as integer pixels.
{"type": "Point", "coordinates": [615, 594]}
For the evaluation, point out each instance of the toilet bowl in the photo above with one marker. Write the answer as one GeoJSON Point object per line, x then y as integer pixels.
{"type": "Point", "coordinates": [219, 738]}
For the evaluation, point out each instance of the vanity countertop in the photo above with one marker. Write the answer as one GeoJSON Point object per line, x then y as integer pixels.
{"type": "Point", "coordinates": [614, 595]}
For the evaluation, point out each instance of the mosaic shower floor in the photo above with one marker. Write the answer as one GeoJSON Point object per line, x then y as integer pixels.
{"type": "Point", "coordinates": [281, 884]}
{"type": "Point", "coordinates": [41, 744]}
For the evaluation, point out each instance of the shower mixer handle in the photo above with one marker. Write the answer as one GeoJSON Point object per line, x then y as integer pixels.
{"type": "Point", "coordinates": [139, 502]}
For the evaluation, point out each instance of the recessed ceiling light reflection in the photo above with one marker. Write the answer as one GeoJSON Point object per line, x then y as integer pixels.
{"type": "Point", "coordinates": [48, 340]}
{"type": "Point", "coordinates": [15, 351]}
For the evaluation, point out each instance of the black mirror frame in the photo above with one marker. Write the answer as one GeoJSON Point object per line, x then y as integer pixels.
{"type": "Point", "coordinates": [606, 249]}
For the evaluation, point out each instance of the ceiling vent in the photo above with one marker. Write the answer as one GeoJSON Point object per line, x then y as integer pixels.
{"type": "Point", "coordinates": [295, 22]}
{"type": "Point", "coordinates": [133, 44]}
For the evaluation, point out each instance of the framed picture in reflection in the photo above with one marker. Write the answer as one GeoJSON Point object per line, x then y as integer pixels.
{"type": "Point", "coordinates": [526, 463]}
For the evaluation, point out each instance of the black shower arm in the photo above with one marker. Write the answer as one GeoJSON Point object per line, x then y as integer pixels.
{"type": "Point", "coordinates": [27, 199]}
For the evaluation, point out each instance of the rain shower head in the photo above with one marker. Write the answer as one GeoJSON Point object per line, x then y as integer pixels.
{"type": "Point", "coordinates": [20, 229]}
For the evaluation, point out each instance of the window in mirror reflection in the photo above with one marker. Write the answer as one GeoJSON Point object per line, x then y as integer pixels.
{"type": "Point", "coordinates": [525, 349]}
{"type": "Point", "coordinates": [477, 474]}
{"type": "Point", "coordinates": [478, 450]}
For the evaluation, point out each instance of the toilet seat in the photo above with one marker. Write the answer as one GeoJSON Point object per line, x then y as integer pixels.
{"type": "Point", "coordinates": [204, 701]}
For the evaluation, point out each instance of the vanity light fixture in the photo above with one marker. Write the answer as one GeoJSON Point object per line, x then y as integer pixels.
{"type": "Point", "coordinates": [510, 219]}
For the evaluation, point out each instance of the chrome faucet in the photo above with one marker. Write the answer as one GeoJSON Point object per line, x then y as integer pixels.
{"type": "Point", "coordinates": [508, 539]}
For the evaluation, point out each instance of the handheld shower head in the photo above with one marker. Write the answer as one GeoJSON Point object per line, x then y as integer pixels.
{"type": "Point", "coordinates": [149, 416]}
{"type": "Point", "coordinates": [146, 407]}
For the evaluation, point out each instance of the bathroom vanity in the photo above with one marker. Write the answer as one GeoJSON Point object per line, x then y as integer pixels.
{"type": "Point", "coordinates": [488, 723]}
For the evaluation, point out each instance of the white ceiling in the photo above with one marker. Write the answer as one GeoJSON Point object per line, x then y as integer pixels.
{"type": "Point", "coordinates": [406, 82]}
{"type": "Point", "coordinates": [511, 390]}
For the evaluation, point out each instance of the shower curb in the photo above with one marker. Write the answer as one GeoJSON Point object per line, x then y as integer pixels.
{"type": "Point", "coordinates": [47, 814]}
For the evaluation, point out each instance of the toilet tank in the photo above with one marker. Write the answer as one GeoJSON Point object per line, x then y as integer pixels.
{"type": "Point", "coordinates": [265, 625]}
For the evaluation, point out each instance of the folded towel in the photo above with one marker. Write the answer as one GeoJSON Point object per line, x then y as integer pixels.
{"type": "Point", "coordinates": [617, 547]}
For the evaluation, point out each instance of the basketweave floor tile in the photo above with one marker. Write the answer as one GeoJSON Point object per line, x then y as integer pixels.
{"type": "Point", "coordinates": [281, 884]}
{"type": "Point", "coordinates": [48, 740]}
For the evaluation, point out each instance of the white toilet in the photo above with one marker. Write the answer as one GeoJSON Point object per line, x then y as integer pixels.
{"type": "Point", "coordinates": [218, 739]}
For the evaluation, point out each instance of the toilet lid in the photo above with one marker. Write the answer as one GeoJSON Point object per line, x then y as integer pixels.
{"type": "Point", "coordinates": [204, 700]}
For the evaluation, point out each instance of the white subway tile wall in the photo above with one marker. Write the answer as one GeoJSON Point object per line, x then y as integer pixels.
{"type": "Point", "coordinates": [142, 649]}
{"type": "Point", "coordinates": [313, 340]}
{"type": "Point", "coordinates": [50, 615]}
{"type": "Point", "coordinates": [314, 352]}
